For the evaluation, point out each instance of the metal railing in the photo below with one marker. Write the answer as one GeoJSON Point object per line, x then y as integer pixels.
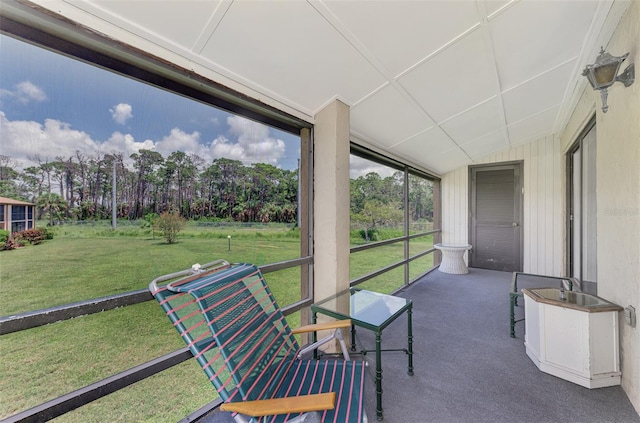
{"type": "Point", "coordinates": [76, 399]}
{"type": "Point", "coordinates": [403, 262]}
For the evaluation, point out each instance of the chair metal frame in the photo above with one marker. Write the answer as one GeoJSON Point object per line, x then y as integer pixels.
{"type": "Point", "coordinates": [209, 312]}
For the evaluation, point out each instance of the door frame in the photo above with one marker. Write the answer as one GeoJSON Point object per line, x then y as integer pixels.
{"type": "Point", "coordinates": [518, 168]}
{"type": "Point", "coordinates": [570, 208]}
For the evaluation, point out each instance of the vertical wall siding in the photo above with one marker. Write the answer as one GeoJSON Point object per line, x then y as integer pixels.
{"type": "Point", "coordinates": [543, 200]}
{"type": "Point", "coordinates": [455, 207]}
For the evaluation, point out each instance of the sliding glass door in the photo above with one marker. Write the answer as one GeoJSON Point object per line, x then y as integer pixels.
{"type": "Point", "coordinates": [582, 221]}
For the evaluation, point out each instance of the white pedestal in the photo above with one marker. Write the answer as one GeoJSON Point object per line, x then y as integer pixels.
{"type": "Point", "coordinates": [578, 345]}
{"type": "Point", "coordinates": [453, 258]}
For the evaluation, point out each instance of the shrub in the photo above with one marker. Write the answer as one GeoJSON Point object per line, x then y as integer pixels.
{"type": "Point", "coordinates": [48, 232]}
{"type": "Point", "coordinates": [150, 219]}
{"type": "Point", "coordinates": [33, 236]}
{"type": "Point", "coordinates": [12, 243]}
{"type": "Point", "coordinates": [170, 223]}
{"type": "Point", "coordinates": [369, 234]}
{"type": "Point", "coordinates": [4, 235]}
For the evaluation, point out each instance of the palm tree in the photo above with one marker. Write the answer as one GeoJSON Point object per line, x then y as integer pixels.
{"type": "Point", "coordinates": [52, 204]}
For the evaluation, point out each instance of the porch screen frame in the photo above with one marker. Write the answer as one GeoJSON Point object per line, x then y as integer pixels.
{"type": "Point", "coordinates": [365, 153]}
{"type": "Point", "coordinates": [62, 36]}
{"type": "Point", "coordinates": [77, 42]}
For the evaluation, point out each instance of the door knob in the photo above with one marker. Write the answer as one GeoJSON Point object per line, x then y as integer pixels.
{"type": "Point", "coordinates": [514, 224]}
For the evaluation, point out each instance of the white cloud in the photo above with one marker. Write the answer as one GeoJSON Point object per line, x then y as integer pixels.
{"type": "Point", "coordinates": [125, 144]}
{"type": "Point", "coordinates": [24, 139]}
{"type": "Point", "coordinates": [180, 140]}
{"type": "Point", "coordinates": [360, 167]}
{"type": "Point", "coordinates": [25, 92]}
{"type": "Point", "coordinates": [121, 113]}
{"type": "Point", "coordinates": [254, 145]}
{"type": "Point", "coordinates": [222, 147]}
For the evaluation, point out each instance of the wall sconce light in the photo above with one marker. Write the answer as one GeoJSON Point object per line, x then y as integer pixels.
{"type": "Point", "coordinates": [604, 72]}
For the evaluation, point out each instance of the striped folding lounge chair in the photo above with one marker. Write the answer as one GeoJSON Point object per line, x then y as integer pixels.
{"type": "Point", "coordinates": [230, 320]}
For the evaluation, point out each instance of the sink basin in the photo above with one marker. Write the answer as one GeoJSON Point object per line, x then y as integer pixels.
{"type": "Point", "coordinates": [585, 299]}
{"type": "Point", "coordinates": [576, 298]}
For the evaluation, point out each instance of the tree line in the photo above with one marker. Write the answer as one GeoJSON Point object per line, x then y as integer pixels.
{"type": "Point", "coordinates": [379, 202]}
{"type": "Point", "coordinates": [80, 187]}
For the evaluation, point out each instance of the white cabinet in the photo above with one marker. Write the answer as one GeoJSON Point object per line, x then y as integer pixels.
{"type": "Point", "coordinates": [575, 338]}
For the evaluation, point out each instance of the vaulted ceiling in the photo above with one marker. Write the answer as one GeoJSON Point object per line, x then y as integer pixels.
{"type": "Point", "coordinates": [438, 84]}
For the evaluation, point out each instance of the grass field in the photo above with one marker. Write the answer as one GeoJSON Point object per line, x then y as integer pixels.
{"type": "Point", "coordinates": [91, 261]}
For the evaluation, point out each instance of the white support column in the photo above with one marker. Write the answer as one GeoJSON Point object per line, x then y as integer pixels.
{"type": "Point", "coordinates": [331, 200]}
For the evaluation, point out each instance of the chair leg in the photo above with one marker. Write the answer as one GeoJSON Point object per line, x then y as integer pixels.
{"type": "Point", "coordinates": [512, 314]}
{"type": "Point", "coordinates": [343, 345]}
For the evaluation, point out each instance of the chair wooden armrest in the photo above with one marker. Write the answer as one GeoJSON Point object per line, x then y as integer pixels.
{"type": "Point", "coordinates": [270, 407]}
{"type": "Point", "coordinates": [336, 324]}
{"type": "Point", "coordinates": [233, 302]}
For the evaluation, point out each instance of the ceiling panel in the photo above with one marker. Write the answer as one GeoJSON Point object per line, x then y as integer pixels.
{"type": "Point", "coordinates": [372, 116]}
{"type": "Point", "coordinates": [289, 49]}
{"type": "Point", "coordinates": [428, 143]}
{"type": "Point", "coordinates": [420, 27]}
{"type": "Point", "coordinates": [541, 93]}
{"type": "Point", "coordinates": [421, 77]}
{"type": "Point", "coordinates": [454, 80]}
{"type": "Point", "coordinates": [492, 6]}
{"type": "Point", "coordinates": [475, 122]}
{"type": "Point", "coordinates": [451, 159]}
{"type": "Point", "coordinates": [531, 37]}
{"type": "Point", "coordinates": [486, 145]}
{"type": "Point", "coordinates": [534, 126]}
{"type": "Point", "coordinates": [177, 22]}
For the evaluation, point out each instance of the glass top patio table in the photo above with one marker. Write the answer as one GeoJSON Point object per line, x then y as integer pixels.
{"type": "Point", "coordinates": [367, 309]}
{"type": "Point", "coordinates": [373, 311]}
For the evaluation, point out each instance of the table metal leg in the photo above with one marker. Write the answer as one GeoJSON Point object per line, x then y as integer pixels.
{"type": "Point", "coordinates": [410, 339]}
{"type": "Point", "coordinates": [353, 338]}
{"type": "Point", "coordinates": [512, 314]}
{"type": "Point", "coordinates": [314, 335]}
{"type": "Point", "coordinates": [379, 376]}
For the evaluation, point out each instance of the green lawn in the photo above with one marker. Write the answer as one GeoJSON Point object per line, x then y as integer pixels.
{"type": "Point", "coordinates": [367, 261]}
{"type": "Point", "coordinates": [92, 261]}
{"type": "Point", "coordinates": [82, 263]}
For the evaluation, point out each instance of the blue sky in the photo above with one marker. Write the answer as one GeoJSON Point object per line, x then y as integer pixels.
{"type": "Point", "coordinates": [51, 106]}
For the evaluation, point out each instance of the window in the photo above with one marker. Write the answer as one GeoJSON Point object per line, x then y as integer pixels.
{"type": "Point", "coordinates": [422, 222]}
{"type": "Point", "coordinates": [109, 145]}
{"type": "Point", "coordinates": [18, 218]}
{"type": "Point", "coordinates": [164, 141]}
{"type": "Point", "coordinates": [393, 222]}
